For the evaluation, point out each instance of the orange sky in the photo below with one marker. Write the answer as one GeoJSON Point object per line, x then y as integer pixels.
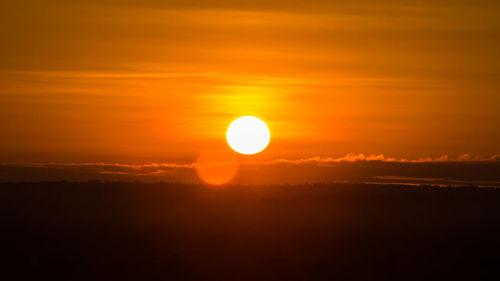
{"type": "Point", "coordinates": [146, 81]}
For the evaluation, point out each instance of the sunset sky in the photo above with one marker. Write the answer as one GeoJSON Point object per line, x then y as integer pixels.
{"type": "Point", "coordinates": [160, 81]}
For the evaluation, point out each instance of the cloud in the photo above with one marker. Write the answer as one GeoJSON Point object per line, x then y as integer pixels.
{"type": "Point", "coordinates": [351, 157]}
{"type": "Point", "coordinates": [119, 165]}
{"type": "Point", "coordinates": [138, 170]}
{"type": "Point", "coordinates": [465, 169]}
{"type": "Point", "coordinates": [167, 168]}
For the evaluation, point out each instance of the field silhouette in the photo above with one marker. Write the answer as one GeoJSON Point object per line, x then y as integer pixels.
{"type": "Point", "coordinates": [138, 231]}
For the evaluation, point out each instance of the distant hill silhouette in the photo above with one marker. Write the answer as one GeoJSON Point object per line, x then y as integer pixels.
{"type": "Point", "coordinates": [137, 231]}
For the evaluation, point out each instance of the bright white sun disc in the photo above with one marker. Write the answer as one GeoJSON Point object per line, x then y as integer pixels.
{"type": "Point", "coordinates": [248, 135]}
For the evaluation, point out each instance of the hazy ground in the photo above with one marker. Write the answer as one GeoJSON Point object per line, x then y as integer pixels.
{"type": "Point", "coordinates": [137, 231]}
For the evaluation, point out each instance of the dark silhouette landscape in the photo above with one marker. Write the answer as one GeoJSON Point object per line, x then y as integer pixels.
{"type": "Point", "coordinates": [160, 231]}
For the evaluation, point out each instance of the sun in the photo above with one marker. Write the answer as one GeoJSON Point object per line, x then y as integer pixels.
{"type": "Point", "coordinates": [248, 135]}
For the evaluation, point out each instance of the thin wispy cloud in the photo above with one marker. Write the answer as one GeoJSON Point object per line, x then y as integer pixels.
{"type": "Point", "coordinates": [444, 170]}
{"type": "Point", "coordinates": [350, 157]}
{"type": "Point", "coordinates": [149, 169]}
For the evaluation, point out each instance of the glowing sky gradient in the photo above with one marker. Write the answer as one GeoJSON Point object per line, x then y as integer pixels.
{"type": "Point", "coordinates": [160, 81]}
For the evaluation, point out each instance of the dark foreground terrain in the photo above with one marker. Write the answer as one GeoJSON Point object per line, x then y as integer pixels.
{"type": "Point", "coordinates": [137, 231]}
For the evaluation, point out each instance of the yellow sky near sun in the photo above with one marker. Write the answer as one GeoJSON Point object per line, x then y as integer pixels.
{"type": "Point", "coordinates": [152, 80]}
